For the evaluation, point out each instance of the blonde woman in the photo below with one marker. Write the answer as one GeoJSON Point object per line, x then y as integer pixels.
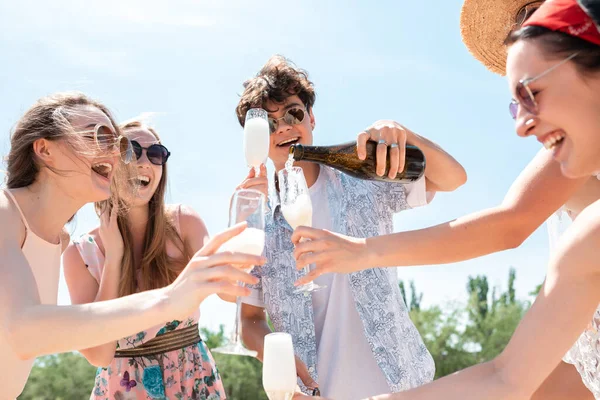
{"type": "Point", "coordinates": [64, 153]}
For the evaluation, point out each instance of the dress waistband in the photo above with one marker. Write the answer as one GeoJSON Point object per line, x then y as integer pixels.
{"type": "Point", "coordinates": [170, 341]}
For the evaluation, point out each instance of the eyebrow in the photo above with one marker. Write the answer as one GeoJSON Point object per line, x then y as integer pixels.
{"type": "Point", "coordinates": [295, 104]}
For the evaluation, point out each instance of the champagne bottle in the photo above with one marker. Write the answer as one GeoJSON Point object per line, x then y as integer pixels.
{"type": "Point", "coordinates": [344, 157]}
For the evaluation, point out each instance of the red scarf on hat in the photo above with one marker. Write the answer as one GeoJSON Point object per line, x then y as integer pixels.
{"type": "Point", "coordinates": [565, 16]}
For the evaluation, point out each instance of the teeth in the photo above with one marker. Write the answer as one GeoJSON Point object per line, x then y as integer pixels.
{"type": "Point", "coordinates": [144, 179]}
{"type": "Point", "coordinates": [288, 141]}
{"type": "Point", "coordinates": [553, 140]}
{"type": "Point", "coordinates": [105, 165]}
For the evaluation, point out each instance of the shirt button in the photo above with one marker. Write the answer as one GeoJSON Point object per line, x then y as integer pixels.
{"type": "Point", "coordinates": [311, 370]}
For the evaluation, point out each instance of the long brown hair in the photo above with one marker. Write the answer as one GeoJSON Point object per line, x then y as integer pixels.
{"type": "Point", "coordinates": [48, 118]}
{"type": "Point", "coordinates": [156, 269]}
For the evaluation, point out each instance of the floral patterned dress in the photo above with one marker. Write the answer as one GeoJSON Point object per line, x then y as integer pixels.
{"type": "Point", "coordinates": [189, 373]}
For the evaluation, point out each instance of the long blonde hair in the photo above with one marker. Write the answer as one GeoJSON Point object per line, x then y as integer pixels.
{"type": "Point", "coordinates": [156, 269]}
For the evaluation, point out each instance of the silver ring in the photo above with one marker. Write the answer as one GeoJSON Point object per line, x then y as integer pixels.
{"type": "Point", "coordinates": [382, 141]}
{"type": "Point", "coordinates": [393, 145]}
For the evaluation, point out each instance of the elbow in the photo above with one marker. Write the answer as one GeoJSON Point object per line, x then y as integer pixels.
{"type": "Point", "coordinates": [459, 178]}
{"type": "Point", "coordinates": [450, 181]}
{"type": "Point", "coordinates": [19, 340]}
{"type": "Point", "coordinates": [100, 359]}
{"type": "Point", "coordinates": [509, 384]}
{"type": "Point", "coordinates": [514, 240]}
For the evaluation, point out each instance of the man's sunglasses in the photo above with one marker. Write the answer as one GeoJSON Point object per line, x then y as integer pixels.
{"type": "Point", "coordinates": [293, 116]}
{"type": "Point", "coordinates": [107, 141]}
{"type": "Point", "coordinates": [157, 153]}
{"type": "Point", "coordinates": [525, 96]}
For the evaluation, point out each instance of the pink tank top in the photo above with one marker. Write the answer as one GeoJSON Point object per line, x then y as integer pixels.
{"type": "Point", "coordinates": [44, 260]}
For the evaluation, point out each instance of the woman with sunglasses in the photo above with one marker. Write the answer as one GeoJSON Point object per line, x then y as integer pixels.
{"type": "Point", "coordinates": [143, 249]}
{"type": "Point", "coordinates": [560, 44]}
{"type": "Point", "coordinates": [484, 26]}
{"type": "Point", "coordinates": [64, 153]}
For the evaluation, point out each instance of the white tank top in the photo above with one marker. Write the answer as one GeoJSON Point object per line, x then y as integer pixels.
{"type": "Point", "coordinates": [44, 260]}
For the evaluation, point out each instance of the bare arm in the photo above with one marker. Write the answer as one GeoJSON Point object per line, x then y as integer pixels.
{"type": "Point", "coordinates": [254, 328]}
{"type": "Point", "coordinates": [23, 317]}
{"type": "Point", "coordinates": [563, 383]}
{"type": "Point", "coordinates": [84, 289]}
{"type": "Point", "coordinates": [193, 230]}
{"type": "Point", "coordinates": [540, 190]}
{"type": "Point", "coordinates": [560, 313]}
{"type": "Point", "coordinates": [195, 235]}
{"type": "Point", "coordinates": [442, 172]}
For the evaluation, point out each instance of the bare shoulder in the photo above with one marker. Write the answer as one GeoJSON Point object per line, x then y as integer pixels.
{"type": "Point", "coordinates": [10, 216]}
{"type": "Point", "coordinates": [193, 230]}
{"type": "Point", "coordinates": [189, 220]}
{"type": "Point", "coordinates": [578, 251]}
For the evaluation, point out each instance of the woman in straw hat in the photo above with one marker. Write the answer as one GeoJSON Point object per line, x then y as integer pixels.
{"type": "Point", "coordinates": [484, 26]}
{"type": "Point", "coordinates": [553, 63]}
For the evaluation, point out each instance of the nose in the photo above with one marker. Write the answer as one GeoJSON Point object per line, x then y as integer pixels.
{"type": "Point", "coordinates": [525, 123]}
{"type": "Point", "coordinates": [282, 127]}
{"type": "Point", "coordinates": [143, 161]}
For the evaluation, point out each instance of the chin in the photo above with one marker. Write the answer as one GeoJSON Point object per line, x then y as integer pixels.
{"type": "Point", "coordinates": [574, 171]}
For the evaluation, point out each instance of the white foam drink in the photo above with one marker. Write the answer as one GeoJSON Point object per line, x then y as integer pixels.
{"type": "Point", "coordinates": [250, 241]}
{"type": "Point", "coordinates": [256, 141]}
{"type": "Point", "coordinates": [299, 213]}
{"type": "Point", "coordinates": [279, 366]}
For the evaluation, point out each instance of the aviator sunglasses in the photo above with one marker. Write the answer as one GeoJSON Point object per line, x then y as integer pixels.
{"type": "Point", "coordinates": [107, 141]}
{"type": "Point", "coordinates": [525, 97]}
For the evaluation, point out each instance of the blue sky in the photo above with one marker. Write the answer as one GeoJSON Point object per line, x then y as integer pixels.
{"type": "Point", "coordinates": [186, 60]}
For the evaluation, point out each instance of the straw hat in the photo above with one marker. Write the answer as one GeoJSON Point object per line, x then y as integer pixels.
{"type": "Point", "coordinates": [484, 24]}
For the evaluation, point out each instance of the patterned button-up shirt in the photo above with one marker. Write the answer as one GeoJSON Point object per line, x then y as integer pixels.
{"type": "Point", "coordinates": [358, 208]}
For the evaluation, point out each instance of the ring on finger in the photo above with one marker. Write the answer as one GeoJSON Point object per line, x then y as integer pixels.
{"type": "Point", "coordinates": [383, 142]}
{"type": "Point", "coordinates": [393, 145]}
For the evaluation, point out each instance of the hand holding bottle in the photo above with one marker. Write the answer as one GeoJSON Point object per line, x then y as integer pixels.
{"type": "Point", "coordinates": [386, 133]}
{"type": "Point", "coordinates": [329, 252]}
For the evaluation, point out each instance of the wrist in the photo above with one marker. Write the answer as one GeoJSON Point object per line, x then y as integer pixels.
{"type": "Point", "coordinates": [412, 138]}
{"type": "Point", "coordinates": [369, 253]}
{"type": "Point", "coordinates": [112, 261]}
{"type": "Point", "coordinates": [161, 303]}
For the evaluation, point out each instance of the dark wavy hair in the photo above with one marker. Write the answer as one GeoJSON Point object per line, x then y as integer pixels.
{"type": "Point", "coordinates": [277, 80]}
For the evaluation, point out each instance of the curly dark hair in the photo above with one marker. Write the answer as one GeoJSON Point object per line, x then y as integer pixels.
{"type": "Point", "coordinates": [277, 80]}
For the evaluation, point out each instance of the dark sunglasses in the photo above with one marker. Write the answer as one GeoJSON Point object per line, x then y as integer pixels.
{"type": "Point", "coordinates": [293, 116]}
{"type": "Point", "coordinates": [107, 141]}
{"type": "Point", "coordinates": [525, 96]}
{"type": "Point", "coordinates": [157, 153]}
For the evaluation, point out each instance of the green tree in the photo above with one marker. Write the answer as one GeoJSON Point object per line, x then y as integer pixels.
{"type": "Point", "coordinates": [242, 376]}
{"type": "Point", "coordinates": [66, 376]}
{"type": "Point", "coordinates": [459, 336]}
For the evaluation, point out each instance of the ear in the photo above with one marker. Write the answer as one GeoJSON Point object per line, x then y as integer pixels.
{"type": "Point", "coordinates": [44, 150]}
{"type": "Point", "coordinates": [312, 118]}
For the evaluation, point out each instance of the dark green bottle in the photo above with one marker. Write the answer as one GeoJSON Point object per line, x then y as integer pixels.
{"type": "Point", "coordinates": [344, 157]}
